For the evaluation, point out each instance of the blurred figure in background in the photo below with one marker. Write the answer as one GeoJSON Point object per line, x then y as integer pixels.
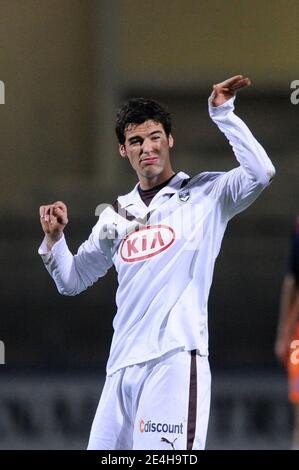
{"type": "Point", "coordinates": [287, 341]}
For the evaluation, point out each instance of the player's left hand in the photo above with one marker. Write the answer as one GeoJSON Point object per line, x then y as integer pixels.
{"type": "Point", "coordinates": [223, 91]}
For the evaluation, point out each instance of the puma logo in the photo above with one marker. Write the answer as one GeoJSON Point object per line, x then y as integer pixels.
{"type": "Point", "coordinates": [163, 439]}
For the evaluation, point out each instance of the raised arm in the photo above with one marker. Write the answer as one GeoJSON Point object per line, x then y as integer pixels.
{"type": "Point", "coordinates": [249, 153]}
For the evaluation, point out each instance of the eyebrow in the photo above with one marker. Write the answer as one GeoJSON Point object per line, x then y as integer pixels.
{"type": "Point", "coordinates": [158, 131]}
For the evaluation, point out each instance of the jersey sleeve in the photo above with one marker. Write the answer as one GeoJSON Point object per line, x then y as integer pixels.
{"type": "Point", "coordinates": [241, 186]}
{"type": "Point", "coordinates": [74, 273]}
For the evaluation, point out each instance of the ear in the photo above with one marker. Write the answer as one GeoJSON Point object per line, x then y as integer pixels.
{"type": "Point", "coordinates": [122, 150]}
{"type": "Point", "coordinates": [170, 141]}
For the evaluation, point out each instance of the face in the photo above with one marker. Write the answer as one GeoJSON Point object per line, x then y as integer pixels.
{"type": "Point", "coordinates": [148, 149]}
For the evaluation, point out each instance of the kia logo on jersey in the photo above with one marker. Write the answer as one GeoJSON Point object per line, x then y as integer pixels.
{"type": "Point", "coordinates": [146, 242]}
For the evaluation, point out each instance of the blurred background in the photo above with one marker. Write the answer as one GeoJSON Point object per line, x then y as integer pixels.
{"type": "Point", "coordinates": [67, 65]}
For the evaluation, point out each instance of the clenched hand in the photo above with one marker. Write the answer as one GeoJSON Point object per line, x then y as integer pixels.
{"type": "Point", "coordinates": [53, 218]}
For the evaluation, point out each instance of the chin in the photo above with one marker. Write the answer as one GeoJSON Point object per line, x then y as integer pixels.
{"type": "Point", "coordinates": [154, 174]}
{"type": "Point", "coordinates": [151, 172]}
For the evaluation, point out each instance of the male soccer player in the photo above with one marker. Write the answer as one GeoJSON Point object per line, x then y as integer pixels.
{"type": "Point", "coordinates": [163, 238]}
{"type": "Point", "coordinates": [287, 340]}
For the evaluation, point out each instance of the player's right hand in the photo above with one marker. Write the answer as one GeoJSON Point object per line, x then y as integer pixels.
{"type": "Point", "coordinates": [53, 219]}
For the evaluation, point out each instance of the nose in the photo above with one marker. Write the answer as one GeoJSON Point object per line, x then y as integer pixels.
{"type": "Point", "coordinates": [147, 146]}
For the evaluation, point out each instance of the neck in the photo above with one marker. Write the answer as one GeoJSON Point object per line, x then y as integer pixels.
{"type": "Point", "coordinates": [148, 183]}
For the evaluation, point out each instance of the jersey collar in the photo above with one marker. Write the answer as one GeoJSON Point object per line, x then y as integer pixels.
{"type": "Point", "coordinates": [133, 197]}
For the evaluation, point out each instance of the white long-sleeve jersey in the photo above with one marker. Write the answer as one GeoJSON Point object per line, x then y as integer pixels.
{"type": "Point", "coordinates": [165, 264]}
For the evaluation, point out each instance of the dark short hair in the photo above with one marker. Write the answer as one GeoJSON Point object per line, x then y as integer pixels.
{"type": "Point", "coordinates": [137, 111]}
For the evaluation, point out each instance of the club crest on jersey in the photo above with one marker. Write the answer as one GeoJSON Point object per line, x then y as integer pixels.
{"type": "Point", "coordinates": [146, 242]}
{"type": "Point", "coordinates": [184, 195]}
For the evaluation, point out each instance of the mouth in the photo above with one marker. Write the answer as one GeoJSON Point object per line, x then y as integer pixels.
{"type": "Point", "coordinates": [149, 160]}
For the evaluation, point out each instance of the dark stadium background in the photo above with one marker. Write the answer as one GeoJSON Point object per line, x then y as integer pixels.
{"type": "Point", "coordinates": [66, 66]}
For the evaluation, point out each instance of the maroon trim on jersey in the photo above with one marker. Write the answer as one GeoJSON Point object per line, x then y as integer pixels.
{"type": "Point", "coordinates": [191, 424]}
{"type": "Point", "coordinates": [128, 216]}
{"type": "Point", "coordinates": [148, 194]}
